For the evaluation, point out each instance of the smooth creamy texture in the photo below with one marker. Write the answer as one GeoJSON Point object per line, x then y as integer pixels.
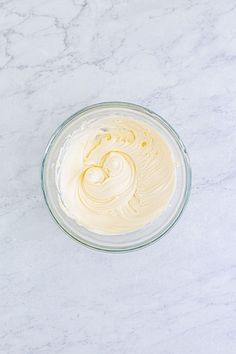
{"type": "Point", "coordinates": [115, 176]}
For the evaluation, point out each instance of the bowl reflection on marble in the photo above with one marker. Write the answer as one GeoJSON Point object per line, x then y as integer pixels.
{"type": "Point", "coordinates": [146, 233]}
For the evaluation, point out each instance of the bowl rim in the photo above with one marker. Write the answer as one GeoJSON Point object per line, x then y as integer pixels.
{"type": "Point", "coordinates": [170, 129]}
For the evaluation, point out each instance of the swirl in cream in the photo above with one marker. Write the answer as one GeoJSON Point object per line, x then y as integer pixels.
{"type": "Point", "coordinates": [116, 176]}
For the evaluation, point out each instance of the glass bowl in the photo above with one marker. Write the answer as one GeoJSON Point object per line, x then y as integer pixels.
{"type": "Point", "coordinates": [149, 233]}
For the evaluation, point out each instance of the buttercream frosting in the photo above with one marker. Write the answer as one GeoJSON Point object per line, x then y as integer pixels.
{"type": "Point", "coordinates": [115, 176]}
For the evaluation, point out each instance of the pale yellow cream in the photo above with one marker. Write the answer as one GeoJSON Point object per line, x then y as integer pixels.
{"type": "Point", "coordinates": [115, 176]}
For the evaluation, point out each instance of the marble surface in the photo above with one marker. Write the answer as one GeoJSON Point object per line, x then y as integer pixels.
{"type": "Point", "coordinates": [177, 57]}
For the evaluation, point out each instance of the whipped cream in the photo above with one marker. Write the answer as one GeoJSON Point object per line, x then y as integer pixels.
{"type": "Point", "coordinates": [115, 176]}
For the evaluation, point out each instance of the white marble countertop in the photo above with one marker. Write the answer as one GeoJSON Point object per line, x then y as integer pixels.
{"type": "Point", "coordinates": [178, 58]}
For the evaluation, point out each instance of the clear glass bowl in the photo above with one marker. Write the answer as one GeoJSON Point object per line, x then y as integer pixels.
{"type": "Point", "coordinates": [149, 233]}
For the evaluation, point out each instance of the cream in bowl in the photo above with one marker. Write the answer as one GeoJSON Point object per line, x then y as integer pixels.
{"type": "Point", "coordinates": [116, 176]}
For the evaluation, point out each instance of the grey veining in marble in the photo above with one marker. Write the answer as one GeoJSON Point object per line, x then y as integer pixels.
{"type": "Point", "coordinates": [177, 57]}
